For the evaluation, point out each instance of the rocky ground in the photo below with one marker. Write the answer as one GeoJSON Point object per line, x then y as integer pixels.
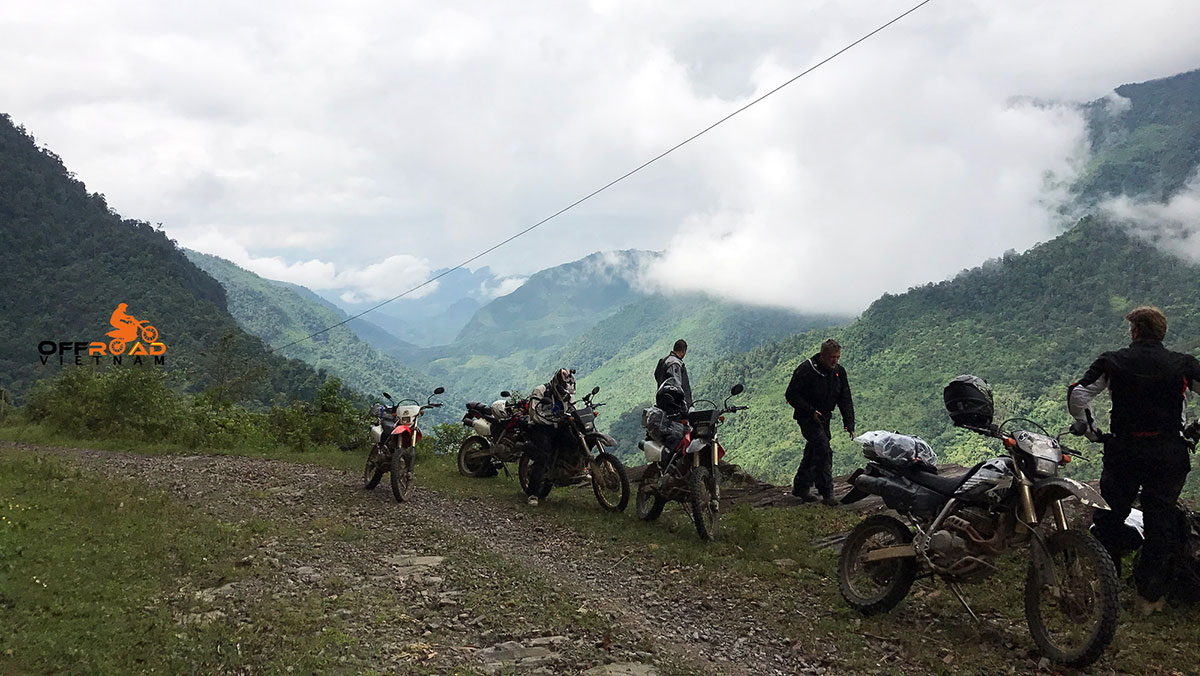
{"type": "Point", "coordinates": [439, 585]}
{"type": "Point", "coordinates": [468, 582]}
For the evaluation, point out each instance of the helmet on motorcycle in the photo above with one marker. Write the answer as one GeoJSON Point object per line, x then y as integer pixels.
{"type": "Point", "coordinates": [969, 401]}
{"type": "Point", "coordinates": [669, 397]}
{"type": "Point", "coordinates": [562, 385]}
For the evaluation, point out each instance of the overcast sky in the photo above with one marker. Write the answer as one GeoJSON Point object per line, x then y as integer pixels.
{"type": "Point", "coordinates": [360, 145]}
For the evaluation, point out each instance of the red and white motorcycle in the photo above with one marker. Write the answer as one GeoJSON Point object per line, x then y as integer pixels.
{"type": "Point", "coordinates": [395, 436]}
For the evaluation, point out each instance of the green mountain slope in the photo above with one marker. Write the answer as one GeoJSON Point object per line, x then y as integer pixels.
{"type": "Point", "coordinates": [1148, 146]}
{"type": "Point", "coordinates": [1028, 323]}
{"type": "Point", "coordinates": [590, 315]}
{"type": "Point", "coordinates": [280, 314]}
{"type": "Point", "coordinates": [67, 260]}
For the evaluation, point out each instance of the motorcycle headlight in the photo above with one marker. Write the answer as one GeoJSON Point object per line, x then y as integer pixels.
{"type": "Point", "coordinates": [1045, 467]}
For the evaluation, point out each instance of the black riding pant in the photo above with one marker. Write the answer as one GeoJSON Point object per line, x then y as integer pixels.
{"type": "Point", "coordinates": [1157, 468]}
{"type": "Point", "coordinates": [816, 467]}
{"type": "Point", "coordinates": [545, 441]}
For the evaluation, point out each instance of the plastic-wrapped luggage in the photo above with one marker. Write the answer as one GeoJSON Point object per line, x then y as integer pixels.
{"type": "Point", "coordinates": [900, 451]}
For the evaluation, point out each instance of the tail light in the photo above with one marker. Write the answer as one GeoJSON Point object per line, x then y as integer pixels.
{"type": "Point", "coordinates": [1065, 458]}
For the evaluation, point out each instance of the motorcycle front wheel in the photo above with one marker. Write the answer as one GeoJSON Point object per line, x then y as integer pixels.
{"type": "Point", "coordinates": [705, 494]}
{"type": "Point", "coordinates": [872, 587]}
{"type": "Point", "coordinates": [1071, 599]}
{"type": "Point", "coordinates": [372, 473]}
{"type": "Point", "coordinates": [401, 473]}
{"type": "Point", "coordinates": [475, 458]}
{"type": "Point", "coordinates": [610, 483]}
{"type": "Point", "coordinates": [649, 504]}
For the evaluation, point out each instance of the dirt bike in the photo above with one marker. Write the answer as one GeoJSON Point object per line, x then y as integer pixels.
{"type": "Point", "coordinates": [499, 435]}
{"type": "Point", "coordinates": [123, 335]}
{"type": "Point", "coordinates": [585, 459]}
{"type": "Point", "coordinates": [690, 473]}
{"type": "Point", "coordinates": [958, 526]}
{"type": "Point", "coordinates": [396, 435]}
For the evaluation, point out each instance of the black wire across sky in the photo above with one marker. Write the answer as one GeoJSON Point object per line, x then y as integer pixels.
{"type": "Point", "coordinates": [613, 182]}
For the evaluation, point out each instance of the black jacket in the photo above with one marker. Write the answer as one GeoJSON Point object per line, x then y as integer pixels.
{"type": "Point", "coordinates": [1149, 384]}
{"type": "Point", "coordinates": [677, 371]}
{"type": "Point", "coordinates": [814, 388]}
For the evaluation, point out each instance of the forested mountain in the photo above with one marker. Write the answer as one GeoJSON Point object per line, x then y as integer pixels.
{"type": "Point", "coordinates": [1144, 144]}
{"type": "Point", "coordinates": [556, 304]}
{"type": "Point", "coordinates": [593, 316]}
{"type": "Point", "coordinates": [68, 259]}
{"type": "Point", "coordinates": [280, 314]}
{"type": "Point", "coordinates": [436, 317]}
{"type": "Point", "coordinates": [1027, 323]}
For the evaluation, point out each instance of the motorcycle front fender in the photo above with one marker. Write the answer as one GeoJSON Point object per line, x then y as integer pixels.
{"type": "Point", "coordinates": [409, 434]}
{"type": "Point", "coordinates": [697, 446]}
{"type": "Point", "coordinates": [1046, 491]}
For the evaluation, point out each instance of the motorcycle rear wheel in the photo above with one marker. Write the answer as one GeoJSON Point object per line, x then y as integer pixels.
{"type": "Point", "coordinates": [649, 504]}
{"type": "Point", "coordinates": [372, 473]}
{"type": "Point", "coordinates": [705, 498]}
{"type": "Point", "coordinates": [473, 458]}
{"type": "Point", "coordinates": [1071, 609]}
{"type": "Point", "coordinates": [610, 482]}
{"type": "Point", "coordinates": [873, 587]}
{"type": "Point", "coordinates": [401, 473]}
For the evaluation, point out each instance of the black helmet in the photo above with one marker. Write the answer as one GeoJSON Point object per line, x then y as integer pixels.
{"type": "Point", "coordinates": [562, 385]}
{"type": "Point", "coordinates": [669, 397]}
{"type": "Point", "coordinates": [969, 401]}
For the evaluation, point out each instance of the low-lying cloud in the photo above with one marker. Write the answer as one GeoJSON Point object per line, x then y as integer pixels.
{"type": "Point", "coordinates": [1173, 225]}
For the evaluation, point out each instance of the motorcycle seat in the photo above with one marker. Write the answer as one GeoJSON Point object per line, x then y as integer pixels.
{"type": "Point", "coordinates": [945, 485]}
{"type": "Point", "coordinates": [481, 409]}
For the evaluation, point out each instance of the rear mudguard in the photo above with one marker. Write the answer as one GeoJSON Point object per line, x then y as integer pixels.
{"type": "Point", "coordinates": [600, 439]}
{"type": "Point", "coordinates": [1056, 488]}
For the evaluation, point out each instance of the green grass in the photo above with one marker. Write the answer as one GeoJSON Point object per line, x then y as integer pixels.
{"type": "Point", "coordinates": [95, 575]}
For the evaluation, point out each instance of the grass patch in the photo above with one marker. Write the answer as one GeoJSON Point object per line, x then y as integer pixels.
{"type": "Point", "coordinates": [97, 574]}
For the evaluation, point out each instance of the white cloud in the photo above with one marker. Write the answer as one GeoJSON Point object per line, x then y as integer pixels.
{"type": "Point", "coordinates": [375, 282]}
{"type": "Point", "coordinates": [1174, 225]}
{"type": "Point", "coordinates": [502, 287]}
{"type": "Point", "coordinates": [349, 143]}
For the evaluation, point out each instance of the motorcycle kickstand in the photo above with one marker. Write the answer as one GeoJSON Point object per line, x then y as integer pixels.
{"type": "Point", "coordinates": [954, 587]}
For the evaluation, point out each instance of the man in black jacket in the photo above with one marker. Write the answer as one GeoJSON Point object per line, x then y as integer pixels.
{"type": "Point", "coordinates": [1146, 451]}
{"type": "Point", "coordinates": [818, 384]}
{"type": "Point", "coordinates": [671, 367]}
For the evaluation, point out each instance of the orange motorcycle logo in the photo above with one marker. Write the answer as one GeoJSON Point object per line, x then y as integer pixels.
{"type": "Point", "coordinates": [128, 329]}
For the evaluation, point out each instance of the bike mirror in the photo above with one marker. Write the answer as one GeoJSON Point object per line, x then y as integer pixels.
{"type": "Point", "coordinates": [387, 396]}
{"type": "Point", "coordinates": [439, 390]}
{"type": "Point", "coordinates": [505, 393]}
{"type": "Point", "coordinates": [595, 390]}
{"type": "Point", "coordinates": [736, 390]}
{"type": "Point", "coordinates": [572, 371]}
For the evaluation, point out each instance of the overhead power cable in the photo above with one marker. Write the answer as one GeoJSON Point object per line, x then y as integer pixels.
{"type": "Point", "coordinates": [613, 182]}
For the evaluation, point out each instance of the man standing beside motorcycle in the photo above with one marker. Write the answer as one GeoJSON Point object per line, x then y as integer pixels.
{"type": "Point", "coordinates": [549, 406]}
{"type": "Point", "coordinates": [818, 384]}
{"type": "Point", "coordinates": [1146, 450]}
{"type": "Point", "coordinates": [671, 367]}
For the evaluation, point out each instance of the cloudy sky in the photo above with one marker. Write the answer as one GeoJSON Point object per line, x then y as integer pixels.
{"type": "Point", "coordinates": [357, 146]}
